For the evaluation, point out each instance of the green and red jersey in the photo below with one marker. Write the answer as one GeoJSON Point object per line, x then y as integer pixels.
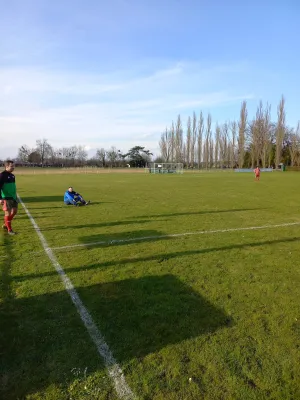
{"type": "Point", "coordinates": [8, 189]}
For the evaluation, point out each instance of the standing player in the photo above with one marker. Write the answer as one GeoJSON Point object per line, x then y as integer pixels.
{"type": "Point", "coordinates": [257, 173]}
{"type": "Point", "coordinates": [8, 195]}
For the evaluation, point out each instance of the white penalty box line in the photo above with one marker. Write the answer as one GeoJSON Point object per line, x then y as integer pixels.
{"type": "Point", "coordinates": [114, 370]}
{"type": "Point", "coordinates": [170, 236]}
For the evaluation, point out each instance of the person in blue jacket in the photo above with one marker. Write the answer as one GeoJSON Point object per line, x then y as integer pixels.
{"type": "Point", "coordinates": [73, 198]}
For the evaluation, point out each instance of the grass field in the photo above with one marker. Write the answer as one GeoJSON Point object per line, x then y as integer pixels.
{"type": "Point", "coordinates": [204, 316]}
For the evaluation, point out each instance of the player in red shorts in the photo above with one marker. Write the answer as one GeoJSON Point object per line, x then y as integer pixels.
{"type": "Point", "coordinates": [257, 173]}
{"type": "Point", "coordinates": [8, 195]}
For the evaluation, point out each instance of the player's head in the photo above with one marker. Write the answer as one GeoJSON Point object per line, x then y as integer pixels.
{"type": "Point", "coordinates": [9, 165]}
{"type": "Point", "coordinates": [70, 189]}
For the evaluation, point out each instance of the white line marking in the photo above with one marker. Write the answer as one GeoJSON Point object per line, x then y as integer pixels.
{"type": "Point", "coordinates": [114, 370]}
{"type": "Point", "coordinates": [139, 239]}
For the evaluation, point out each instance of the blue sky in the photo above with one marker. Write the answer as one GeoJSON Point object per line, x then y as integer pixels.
{"type": "Point", "coordinates": [99, 73]}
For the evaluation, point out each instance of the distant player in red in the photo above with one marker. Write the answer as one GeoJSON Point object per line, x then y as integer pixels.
{"type": "Point", "coordinates": [257, 173]}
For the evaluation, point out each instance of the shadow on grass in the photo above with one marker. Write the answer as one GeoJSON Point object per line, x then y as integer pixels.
{"type": "Point", "coordinates": [52, 199]}
{"type": "Point", "coordinates": [160, 258]}
{"type": "Point", "coordinates": [102, 225]}
{"type": "Point", "coordinates": [37, 217]}
{"type": "Point", "coordinates": [42, 199]}
{"type": "Point", "coordinates": [142, 316]}
{"type": "Point", "coordinates": [64, 206]}
{"type": "Point", "coordinates": [177, 214]}
{"type": "Point", "coordinates": [43, 339]}
{"type": "Point", "coordinates": [122, 238]}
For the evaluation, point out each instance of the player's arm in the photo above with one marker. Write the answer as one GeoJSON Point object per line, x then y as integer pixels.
{"type": "Point", "coordinates": [71, 198]}
{"type": "Point", "coordinates": [1, 186]}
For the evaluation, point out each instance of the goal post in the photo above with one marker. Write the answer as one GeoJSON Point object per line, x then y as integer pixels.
{"type": "Point", "coordinates": [164, 168]}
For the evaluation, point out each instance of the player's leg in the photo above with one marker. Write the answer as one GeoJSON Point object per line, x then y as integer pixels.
{"type": "Point", "coordinates": [81, 200]}
{"type": "Point", "coordinates": [9, 212]}
{"type": "Point", "coordinates": [13, 212]}
{"type": "Point", "coordinates": [6, 214]}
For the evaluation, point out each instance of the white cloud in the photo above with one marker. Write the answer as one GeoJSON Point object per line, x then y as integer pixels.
{"type": "Point", "coordinates": [104, 110]}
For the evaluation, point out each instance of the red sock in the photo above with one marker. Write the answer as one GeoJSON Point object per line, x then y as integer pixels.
{"type": "Point", "coordinates": [7, 223]}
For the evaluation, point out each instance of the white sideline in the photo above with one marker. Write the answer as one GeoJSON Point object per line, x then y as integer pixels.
{"type": "Point", "coordinates": [139, 239]}
{"type": "Point", "coordinates": [114, 370]}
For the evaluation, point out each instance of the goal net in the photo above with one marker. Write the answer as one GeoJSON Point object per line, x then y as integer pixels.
{"type": "Point", "coordinates": [165, 168]}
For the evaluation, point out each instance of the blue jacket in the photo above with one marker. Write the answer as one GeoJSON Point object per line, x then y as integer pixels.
{"type": "Point", "coordinates": [69, 197]}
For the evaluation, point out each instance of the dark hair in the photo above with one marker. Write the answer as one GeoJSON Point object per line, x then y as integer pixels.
{"type": "Point", "coordinates": [8, 162]}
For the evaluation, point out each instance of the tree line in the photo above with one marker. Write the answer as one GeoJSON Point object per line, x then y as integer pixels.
{"type": "Point", "coordinates": [245, 143]}
{"type": "Point", "coordinates": [45, 155]}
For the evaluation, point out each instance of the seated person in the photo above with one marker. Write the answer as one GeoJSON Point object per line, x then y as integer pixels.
{"type": "Point", "coordinates": [74, 198]}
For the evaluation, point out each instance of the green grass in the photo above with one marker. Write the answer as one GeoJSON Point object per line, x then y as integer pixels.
{"type": "Point", "coordinates": [222, 309]}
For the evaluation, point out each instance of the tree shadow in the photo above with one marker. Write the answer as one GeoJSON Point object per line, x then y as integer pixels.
{"type": "Point", "coordinates": [43, 338]}
{"type": "Point", "coordinates": [52, 199]}
{"type": "Point", "coordinates": [36, 216]}
{"type": "Point", "coordinates": [122, 238]}
{"type": "Point", "coordinates": [6, 292]}
{"type": "Point", "coordinates": [177, 214]}
{"type": "Point", "coordinates": [160, 258]}
{"type": "Point", "coordinates": [7, 301]}
{"type": "Point", "coordinates": [100, 225]}
{"type": "Point", "coordinates": [144, 315]}
{"type": "Point", "coordinates": [64, 206]}
{"type": "Point", "coordinates": [43, 199]}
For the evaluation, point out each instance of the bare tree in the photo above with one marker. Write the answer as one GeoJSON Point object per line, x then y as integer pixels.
{"type": "Point", "coordinates": [188, 142]}
{"type": "Point", "coordinates": [211, 152]}
{"type": "Point", "coordinates": [178, 140]}
{"type": "Point", "coordinates": [66, 156]}
{"type": "Point", "coordinates": [280, 130]}
{"type": "Point", "coordinates": [193, 139]}
{"type": "Point", "coordinates": [73, 152]}
{"type": "Point", "coordinates": [224, 148]}
{"type": "Point", "coordinates": [101, 156]}
{"type": "Point", "coordinates": [200, 139]}
{"type": "Point", "coordinates": [217, 145]}
{"type": "Point", "coordinates": [252, 142]}
{"type": "Point", "coordinates": [23, 153]}
{"type": "Point", "coordinates": [43, 148]}
{"type": "Point", "coordinates": [233, 127]}
{"type": "Point", "coordinates": [242, 134]}
{"type": "Point", "coordinates": [294, 147]}
{"type": "Point", "coordinates": [256, 135]}
{"type": "Point", "coordinates": [184, 152]}
{"type": "Point", "coordinates": [271, 149]}
{"type": "Point", "coordinates": [172, 144]}
{"type": "Point", "coordinates": [266, 136]}
{"type": "Point", "coordinates": [165, 145]}
{"type": "Point", "coordinates": [207, 141]}
{"type": "Point", "coordinates": [112, 156]}
{"type": "Point", "coordinates": [81, 155]}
